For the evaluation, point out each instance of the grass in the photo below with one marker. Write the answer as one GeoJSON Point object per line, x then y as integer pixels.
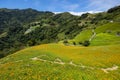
{"type": "Point", "coordinates": [84, 35]}
{"type": "Point", "coordinates": [105, 35]}
{"type": "Point", "coordinates": [39, 62]}
{"type": "Point", "coordinates": [109, 27]}
{"type": "Point", "coordinates": [20, 65]}
{"type": "Point", "coordinates": [105, 39]}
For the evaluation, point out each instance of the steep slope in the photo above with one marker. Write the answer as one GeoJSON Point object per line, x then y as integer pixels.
{"type": "Point", "coordinates": [59, 62]}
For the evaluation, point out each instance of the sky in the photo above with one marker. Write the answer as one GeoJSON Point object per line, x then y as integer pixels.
{"type": "Point", "coordinates": [74, 6]}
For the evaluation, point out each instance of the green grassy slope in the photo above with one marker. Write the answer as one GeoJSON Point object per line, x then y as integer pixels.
{"type": "Point", "coordinates": [105, 39]}
{"type": "Point", "coordinates": [59, 62]}
{"type": "Point", "coordinates": [84, 35]}
{"type": "Point", "coordinates": [112, 28]}
{"type": "Point", "coordinates": [106, 34]}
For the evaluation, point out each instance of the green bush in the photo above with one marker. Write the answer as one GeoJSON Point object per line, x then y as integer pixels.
{"type": "Point", "coordinates": [80, 43]}
{"type": "Point", "coordinates": [65, 41]}
{"type": "Point", "coordinates": [86, 43]}
{"type": "Point", "coordinates": [74, 43]}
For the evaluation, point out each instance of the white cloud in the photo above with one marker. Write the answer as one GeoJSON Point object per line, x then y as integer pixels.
{"type": "Point", "coordinates": [102, 4]}
{"type": "Point", "coordinates": [86, 5]}
{"type": "Point", "coordinates": [57, 12]}
{"type": "Point", "coordinates": [79, 13]}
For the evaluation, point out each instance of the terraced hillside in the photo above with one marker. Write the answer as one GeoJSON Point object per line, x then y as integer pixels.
{"type": "Point", "coordinates": [60, 62]}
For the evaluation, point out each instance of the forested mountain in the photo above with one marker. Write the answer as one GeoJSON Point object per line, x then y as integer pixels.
{"type": "Point", "coordinates": [28, 27]}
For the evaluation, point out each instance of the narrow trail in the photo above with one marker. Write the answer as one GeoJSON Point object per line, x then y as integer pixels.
{"type": "Point", "coordinates": [60, 62]}
{"type": "Point", "coordinates": [94, 34]}
{"type": "Point", "coordinates": [106, 70]}
{"type": "Point", "coordinates": [71, 63]}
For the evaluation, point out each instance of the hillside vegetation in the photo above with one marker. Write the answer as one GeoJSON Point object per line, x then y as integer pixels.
{"type": "Point", "coordinates": [36, 45]}
{"type": "Point", "coordinates": [106, 34]}
{"type": "Point", "coordinates": [59, 62]}
{"type": "Point", "coordinates": [28, 27]}
{"type": "Point", "coordinates": [48, 62]}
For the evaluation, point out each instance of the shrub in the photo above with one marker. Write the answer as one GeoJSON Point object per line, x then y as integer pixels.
{"type": "Point", "coordinates": [86, 43]}
{"type": "Point", "coordinates": [118, 33]}
{"type": "Point", "coordinates": [80, 43]}
{"type": "Point", "coordinates": [1, 55]}
{"type": "Point", "coordinates": [74, 43]}
{"type": "Point", "coordinates": [65, 41]}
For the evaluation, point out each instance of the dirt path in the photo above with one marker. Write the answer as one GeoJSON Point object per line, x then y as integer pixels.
{"type": "Point", "coordinates": [73, 64]}
{"type": "Point", "coordinates": [60, 62]}
{"type": "Point", "coordinates": [106, 70]}
{"type": "Point", "coordinates": [38, 59]}
{"type": "Point", "coordinates": [94, 34]}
